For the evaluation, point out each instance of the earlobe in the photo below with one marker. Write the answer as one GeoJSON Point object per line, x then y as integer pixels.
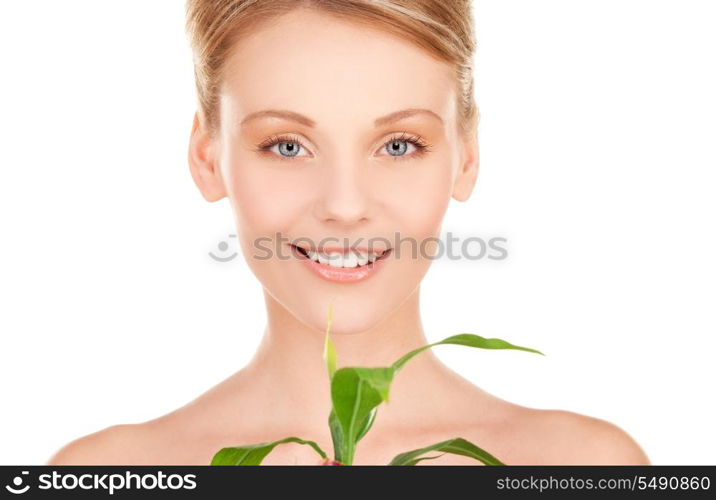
{"type": "Point", "coordinates": [202, 162]}
{"type": "Point", "coordinates": [467, 173]}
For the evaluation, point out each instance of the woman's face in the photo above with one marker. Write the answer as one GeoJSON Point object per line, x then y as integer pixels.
{"type": "Point", "coordinates": [333, 171]}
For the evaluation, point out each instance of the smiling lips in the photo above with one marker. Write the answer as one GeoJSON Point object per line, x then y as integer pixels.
{"type": "Point", "coordinates": [342, 264]}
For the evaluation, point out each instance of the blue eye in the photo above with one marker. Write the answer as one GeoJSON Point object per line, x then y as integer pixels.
{"type": "Point", "coordinates": [398, 145]}
{"type": "Point", "coordinates": [396, 148]}
{"type": "Point", "coordinates": [287, 148]}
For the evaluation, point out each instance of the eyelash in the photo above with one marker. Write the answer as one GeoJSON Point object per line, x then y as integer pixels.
{"type": "Point", "coordinates": [421, 147]}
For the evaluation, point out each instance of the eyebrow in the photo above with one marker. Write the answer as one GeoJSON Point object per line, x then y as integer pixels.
{"type": "Point", "coordinates": [304, 120]}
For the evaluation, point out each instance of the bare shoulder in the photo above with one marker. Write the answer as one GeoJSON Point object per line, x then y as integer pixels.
{"type": "Point", "coordinates": [189, 435]}
{"type": "Point", "coordinates": [172, 439]}
{"type": "Point", "coordinates": [568, 438]}
{"type": "Point", "coordinates": [115, 445]}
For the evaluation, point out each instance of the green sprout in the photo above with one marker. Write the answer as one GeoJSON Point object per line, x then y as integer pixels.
{"type": "Point", "coordinates": [356, 393]}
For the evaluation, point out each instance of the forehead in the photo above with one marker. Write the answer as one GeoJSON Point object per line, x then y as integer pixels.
{"type": "Point", "coordinates": [333, 71]}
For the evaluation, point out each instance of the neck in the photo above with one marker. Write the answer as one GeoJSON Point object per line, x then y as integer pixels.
{"type": "Point", "coordinates": [288, 382]}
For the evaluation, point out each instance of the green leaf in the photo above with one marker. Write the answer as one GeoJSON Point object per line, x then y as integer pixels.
{"type": "Point", "coordinates": [466, 339]}
{"type": "Point", "coordinates": [255, 453]}
{"type": "Point", "coordinates": [337, 436]}
{"type": "Point", "coordinates": [415, 461]}
{"type": "Point", "coordinates": [368, 424]}
{"type": "Point", "coordinates": [456, 446]}
{"type": "Point", "coordinates": [329, 350]}
{"type": "Point", "coordinates": [378, 378]}
{"type": "Point", "coordinates": [353, 398]}
{"type": "Point", "coordinates": [337, 431]}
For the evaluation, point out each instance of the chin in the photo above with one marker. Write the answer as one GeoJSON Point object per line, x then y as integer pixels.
{"type": "Point", "coordinates": [351, 316]}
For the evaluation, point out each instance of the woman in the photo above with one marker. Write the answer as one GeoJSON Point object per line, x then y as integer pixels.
{"type": "Point", "coordinates": [337, 125]}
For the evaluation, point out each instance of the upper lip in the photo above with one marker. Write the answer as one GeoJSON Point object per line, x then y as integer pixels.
{"type": "Point", "coordinates": [343, 250]}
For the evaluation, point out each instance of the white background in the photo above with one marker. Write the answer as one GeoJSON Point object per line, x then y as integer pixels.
{"type": "Point", "coordinates": [597, 146]}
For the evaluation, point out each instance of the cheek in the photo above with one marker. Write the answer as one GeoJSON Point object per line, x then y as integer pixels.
{"type": "Point", "coordinates": [268, 200]}
{"type": "Point", "coordinates": [419, 201]}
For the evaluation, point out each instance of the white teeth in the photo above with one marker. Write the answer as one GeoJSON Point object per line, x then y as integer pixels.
{"type": "Point", "coordinates": [354, 258]}
{"type": "Point", "coordinates": [350, 260]}
{"type": "Point", "coordinates": [335, 259]}
{"type": "Point", "coordinates": [362, 258]}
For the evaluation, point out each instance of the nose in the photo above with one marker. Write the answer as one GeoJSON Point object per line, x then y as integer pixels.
{"type": "Point", "coordinates": [345, 196]}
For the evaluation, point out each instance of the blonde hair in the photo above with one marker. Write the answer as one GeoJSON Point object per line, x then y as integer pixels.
{"type": "Point", "coordinates": [442, 27]}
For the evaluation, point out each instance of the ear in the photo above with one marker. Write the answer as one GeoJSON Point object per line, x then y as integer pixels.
{"type": "Point", "coordinates": [202, 162]}
{"type": "Point", "coordinates": [467, 173]}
